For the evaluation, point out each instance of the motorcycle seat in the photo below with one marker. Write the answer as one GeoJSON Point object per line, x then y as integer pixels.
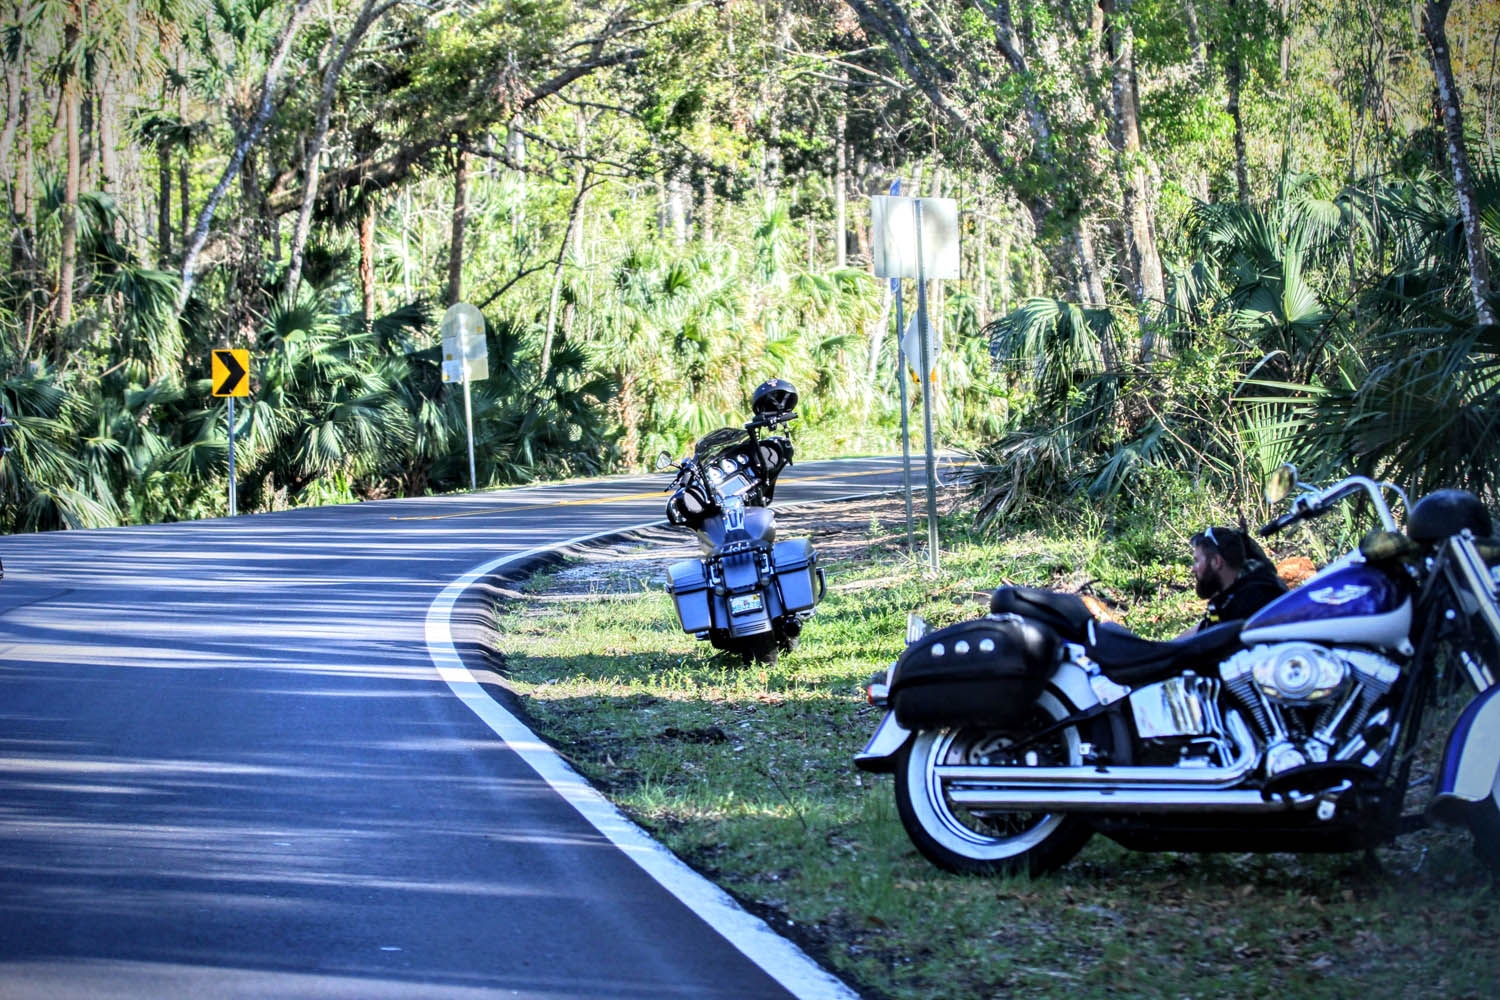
{"type": "Point", "coordinates": [1127, 658]}
{"type": "Point", "coordinates": [1065, 614]}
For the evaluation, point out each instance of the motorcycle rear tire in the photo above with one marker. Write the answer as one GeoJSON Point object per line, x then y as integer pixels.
{"type": "Point", "coordinates": [751, 649]}
{"type": "Point", "coordinates": [986, 842]}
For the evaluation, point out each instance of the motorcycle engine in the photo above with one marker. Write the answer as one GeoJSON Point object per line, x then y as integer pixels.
{"type": "Point", "coordinates": [1296, 674]}
{"type": "Point", "coordinates": [1310, 703]}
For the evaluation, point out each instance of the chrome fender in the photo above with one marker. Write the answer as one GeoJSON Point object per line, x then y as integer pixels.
{"type": "Point", "coordinates": [879, 754]}
{"type": "Point", "coordinates": [1471, 762]}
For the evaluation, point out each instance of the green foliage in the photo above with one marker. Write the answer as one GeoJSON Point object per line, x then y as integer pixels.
{"type": "Point", "coordinates": [651, 191]}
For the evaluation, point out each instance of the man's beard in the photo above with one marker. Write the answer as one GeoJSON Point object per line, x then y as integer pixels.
{"type": "Point", "coordinates": [1208, 586]}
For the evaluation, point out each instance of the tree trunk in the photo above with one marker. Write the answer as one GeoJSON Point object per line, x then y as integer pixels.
{"type": "Point", "coordinates": [311, 163]}
{"type": "Point", "coordinates": [675, 197]}
{"type": "Point", "coordinates": [455, 290]}
{"type": "Point", "coordinates": [706, 208]}
{"type": "Point", "coordinates": [109, 161]}
{"type": "Point", "coordinates": [841, 177]}
{"type": "Point", "coordinates": [68, 250]}
{"type": "Point", "coordinates": [1434, 29]}
{"type": "Point", "coordinates": [1234, 72]}
{"type": "Point", "coordinates": [1195, 37]}
{"type": "Point", "coordinates": [16, 168]}
{"type": "Point", "coordinates": [367, 262]}
{"type": "Point", "coordinates": [163, 202]}
{"type": "Point", "coordinates": [247, 138]}
{"type": "Point", "coordinates": [1090, 281]}
{"type": "Point", "coordinates": [1005, 243]}
{"type": "Point", "coordinates": [580, 192]}
{"type": "Point", "coordinates": [1148, 284]}
{"type": "Point", "coordinates": [982, 314]}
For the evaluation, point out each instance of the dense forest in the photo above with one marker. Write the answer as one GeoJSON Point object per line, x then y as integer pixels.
{"type": "Point", "coordinates": [1199, 237]}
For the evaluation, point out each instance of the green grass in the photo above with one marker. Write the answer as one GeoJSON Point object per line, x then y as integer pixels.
{"type": "Point", "coordinates": [747, 774]}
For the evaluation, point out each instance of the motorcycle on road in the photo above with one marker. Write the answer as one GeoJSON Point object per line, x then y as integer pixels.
{"type": "Point", "coordinates": [1016, 737]}
{"type": "Point", "coordinates": [749, 594]}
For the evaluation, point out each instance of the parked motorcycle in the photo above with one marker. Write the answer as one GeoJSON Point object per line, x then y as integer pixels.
{"type": "Point", "coordinates": [1016, 737]}
{"type": "Point", "coordinates": [749, 594]}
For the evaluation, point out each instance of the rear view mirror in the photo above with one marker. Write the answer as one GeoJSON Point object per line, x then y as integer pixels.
{"type": "Point", "coordinates": [663, 460]}
{"type": "Point", "coordinates": [1280, 483]}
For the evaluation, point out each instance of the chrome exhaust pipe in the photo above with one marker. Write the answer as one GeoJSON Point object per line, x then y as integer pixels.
{"type": "Point", "coordinates": [1120, 789]}
{"type": "Point", "coordinates": [1114, 779]}
{"type": "Point", "coordinates": [1115, 800]}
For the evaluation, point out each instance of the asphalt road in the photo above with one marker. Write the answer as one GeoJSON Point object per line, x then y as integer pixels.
{"type": "Point", "coordinates": [233, 764]}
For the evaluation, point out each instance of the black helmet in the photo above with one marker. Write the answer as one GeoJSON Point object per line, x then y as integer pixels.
{"type": "Point", "coordinates": [1444, 513]}
{"type": "Point", "coordinates": [774, 398]}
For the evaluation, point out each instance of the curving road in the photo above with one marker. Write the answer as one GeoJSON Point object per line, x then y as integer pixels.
{"type": "Point", "coordinates": [245, 757]}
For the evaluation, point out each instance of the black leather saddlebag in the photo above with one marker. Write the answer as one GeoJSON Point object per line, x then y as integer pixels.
{"type": "Point", "coordinates": [980, 673]}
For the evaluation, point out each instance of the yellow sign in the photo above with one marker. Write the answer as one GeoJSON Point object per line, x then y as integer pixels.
{"type": "Point", "coordinates": [231, 372]}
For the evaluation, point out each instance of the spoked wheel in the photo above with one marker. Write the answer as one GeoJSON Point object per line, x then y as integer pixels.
{"type": "Point", "coordinates": [987, 841]}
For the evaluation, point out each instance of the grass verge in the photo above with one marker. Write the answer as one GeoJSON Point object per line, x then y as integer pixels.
{"type": "Point", "coordinates": [746, 774]}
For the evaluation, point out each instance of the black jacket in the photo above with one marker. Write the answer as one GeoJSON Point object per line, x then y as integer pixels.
{"type": "Point", "coordinates": [1255, 587]}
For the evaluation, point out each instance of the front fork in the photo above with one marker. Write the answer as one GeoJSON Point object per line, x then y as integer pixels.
{"type": "Point", "coordinates": [1469, 779]}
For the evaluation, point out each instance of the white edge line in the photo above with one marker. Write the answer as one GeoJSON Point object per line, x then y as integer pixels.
{"type": "Point", "coordinates": [779, 957]}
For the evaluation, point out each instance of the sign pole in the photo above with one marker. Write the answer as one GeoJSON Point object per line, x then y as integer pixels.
{"type": "Point", "coordinates": [911, 539]}
{"type": "Point", "coordinates": [925, 368]}
{"type": "Point", "coordinates": [232, 497]}
{"type": "Point", "coordinates": [469, 423]}
{"type": "Point", "coordinates": [465, 359]}
{"type": "Point", "coordinates": [229, 375]}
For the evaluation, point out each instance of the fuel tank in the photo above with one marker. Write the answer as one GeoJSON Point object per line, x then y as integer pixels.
{"type": "Point", "coordinates": [1350, 604]}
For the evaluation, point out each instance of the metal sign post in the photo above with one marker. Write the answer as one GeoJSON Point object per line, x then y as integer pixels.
{"type": "Point", "coordinates": [233, 498]}
{"type": "Point", "coordinates": [918, 238]}
{"type": "Point", "coordinates": [229, 371]}
{"type": "Point", "coordinates": [924, 368]}
{"type": "Point", "coordinates": [896, 290]}
{"type": "Point", "coordinates": [465, 359]}
{"type": "Point", "coordinates": [911, 540]}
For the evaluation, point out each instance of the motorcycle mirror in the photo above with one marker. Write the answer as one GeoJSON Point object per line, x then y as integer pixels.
{"type": "Point", "coordinates": [1281, 483]}
{"type": "Point", "coordinates": [663, 460]}
{"type": "Point", "coordinates": [916, 627]}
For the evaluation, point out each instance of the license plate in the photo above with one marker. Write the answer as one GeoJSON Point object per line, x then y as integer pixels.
{"type": "Point", "coordinates": [743, 603]}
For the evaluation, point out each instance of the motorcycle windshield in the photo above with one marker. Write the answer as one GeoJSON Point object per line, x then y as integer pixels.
{"type": "Point", "coordinates": [718, 444]}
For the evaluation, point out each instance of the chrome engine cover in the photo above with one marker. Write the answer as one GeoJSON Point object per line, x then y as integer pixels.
{"type": "Point", "coordinates": [1300, 673]}
{"type": "Point", "coordinates": [1309, 703]}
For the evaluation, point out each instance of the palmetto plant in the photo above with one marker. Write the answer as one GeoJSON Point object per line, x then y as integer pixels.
{"type": "Point", "coordinates": [1421, 403]}
{"type": "Point", "coordinates": [1270, 269]}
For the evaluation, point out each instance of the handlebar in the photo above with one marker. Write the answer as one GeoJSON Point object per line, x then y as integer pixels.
{"type": "Point", "coordinates": [1314, 503]}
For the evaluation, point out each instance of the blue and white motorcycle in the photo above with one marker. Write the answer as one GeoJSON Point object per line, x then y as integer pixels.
{"type": "Point", "coordinates": [1016, 737]}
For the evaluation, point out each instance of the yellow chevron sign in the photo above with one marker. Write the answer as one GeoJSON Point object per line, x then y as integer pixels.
{"type": "Point", "coordinates": [230, 370]}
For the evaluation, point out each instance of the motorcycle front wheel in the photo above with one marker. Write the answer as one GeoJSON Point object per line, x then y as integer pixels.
{"type": "Point", "coordinates": [987, 841]}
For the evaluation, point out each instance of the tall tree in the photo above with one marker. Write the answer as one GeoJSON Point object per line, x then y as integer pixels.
{"type": "Point", "coordinates": [370, 12]}
{"type": "Point", "coordinates": [246, 138]}
{"type": "Point", "coordinates": [71, 93]}
{"type": "Point", "coordinates": [1435, 30]}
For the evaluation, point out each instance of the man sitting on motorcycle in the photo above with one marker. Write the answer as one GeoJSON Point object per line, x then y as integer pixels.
{"type": "Point", "coordinates": [1232, 573]}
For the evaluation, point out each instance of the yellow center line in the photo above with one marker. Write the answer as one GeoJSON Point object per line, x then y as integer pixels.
{"type": "Point", "coordinates": [620, 498]}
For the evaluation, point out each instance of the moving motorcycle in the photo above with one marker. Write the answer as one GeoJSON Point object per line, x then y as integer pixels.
{"type": "Point", "coordinates": [749, 594]}
{"type": "Point", "coordinates": [1016, 737]}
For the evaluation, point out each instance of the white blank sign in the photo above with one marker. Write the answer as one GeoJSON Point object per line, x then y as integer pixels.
{"type": "Point", "coordinates": [894, 224]}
